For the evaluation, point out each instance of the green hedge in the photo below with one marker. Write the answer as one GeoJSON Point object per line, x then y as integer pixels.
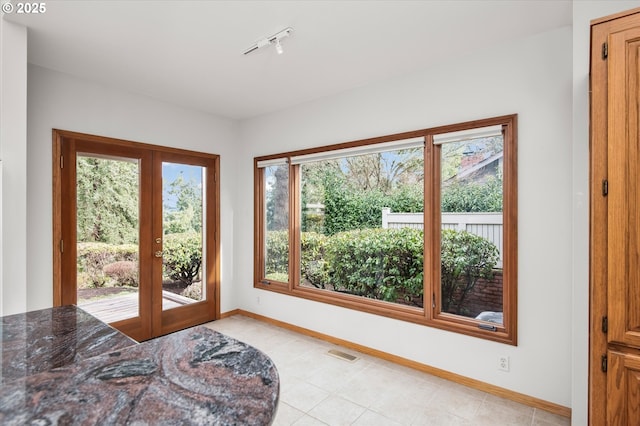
{"type": "Point", "coordinates": [312, 262]}
{"type": "Point", "coordinates": [182, 256]}
{"type": "Point", "coordinates": [93, 257]}
{"type": "Point", "coordinates": [465, 258]}
{"type": "Point", "coordinates": [385, 264]}
{"type": "Point", "coordinates": [313, 265]}
{"type": "Point", "coordinates": [347, 210]}
{"type": "Point", "coordinates": [100, 263]}
{"type": "Point", "coordinates": [277, 256]}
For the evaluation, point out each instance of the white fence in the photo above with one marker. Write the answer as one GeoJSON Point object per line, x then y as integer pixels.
{"type": "Point", "coordinates": [485, 225]}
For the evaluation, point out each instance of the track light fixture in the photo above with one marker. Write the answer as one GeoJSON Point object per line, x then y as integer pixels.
{"type": "Point", "coordinates": [274, 39]}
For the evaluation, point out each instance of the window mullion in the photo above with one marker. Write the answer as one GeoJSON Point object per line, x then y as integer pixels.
{"type": "Point", "coordinates": [294, 225]}
{"type": "Point", "coordinates": [431, 228]}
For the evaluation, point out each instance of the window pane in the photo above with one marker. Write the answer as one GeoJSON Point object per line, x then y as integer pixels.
{"type": "Point", "coordinates": [107, 236]}
{"type": "Point", "coordinates": [183, 229]}
{"type": "Point", "coordinates": [471, 243]}
{"type": "Point", "coordinates": [350, 241]}
{"type": "Point", "coordinates": [276, 194]}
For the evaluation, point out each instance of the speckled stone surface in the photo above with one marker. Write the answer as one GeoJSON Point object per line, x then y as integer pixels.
{"type": "Point", "coordinates": [39, 341]}
{"type": "Point", "coordinates": [193, 377]}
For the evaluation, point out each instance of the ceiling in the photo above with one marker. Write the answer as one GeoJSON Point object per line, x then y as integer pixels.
{"type": "Point", "coordinates": [190, 53]}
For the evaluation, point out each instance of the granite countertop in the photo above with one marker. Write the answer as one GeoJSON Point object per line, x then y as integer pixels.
{"type": "Point", "coordinates": [195, 376]}
{"type": "Point", "coordinates": [39, 341]}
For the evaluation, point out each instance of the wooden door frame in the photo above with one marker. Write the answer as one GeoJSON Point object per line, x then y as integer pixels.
{"type": "Point", "coordinates": [58, 204]}
{"type": "Point", "coordinates": [598, 210]}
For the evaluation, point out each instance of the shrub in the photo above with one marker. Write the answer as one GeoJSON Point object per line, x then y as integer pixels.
{"type": "Point", "coordinates": [385, 264]}
{"type": "Point", "coordinates": [347, 209]}
{"type": "Point", "coordinates": [312, 263]}
{"type": "Point", "coordinates": [93, 257]}
{"type": "Point", "coordinates": [193, 291]}
{"type": "Point", "coordinates": [278, 276]}
{"type": "Point", "coordinates": [124, 272]}
{"type": "Point", "coordinates": [182, 256]}
{"type": "Point", "coordinates": [465, 258]}
{"type": "Point", "coordinates": [473, 196]}
{"type": "Point", "coordinates": [277, 257]}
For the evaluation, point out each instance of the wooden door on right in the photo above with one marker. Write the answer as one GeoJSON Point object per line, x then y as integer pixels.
{"type": "Point", "coordinates": [615, 221]}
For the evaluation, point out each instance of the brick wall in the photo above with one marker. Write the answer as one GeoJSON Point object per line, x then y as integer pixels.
{"type": "Point", "coordinates": [485, 296]}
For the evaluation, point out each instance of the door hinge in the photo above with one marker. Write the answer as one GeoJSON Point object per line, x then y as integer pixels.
{"type": "Point", "coordinates": [605, 51]}
{"type": "Point", "coordinates": [605, 188]}
{"type": "Point", "coordinates": [61, 246]}
{"type": "Point", "coordinates": [603, 363]}
{"type": "Point", "coordinates": [605, 324]}
{"type": "Point", "coordinates": [433, 301]}
{"type": "Point", "coordinates": [61, 162]}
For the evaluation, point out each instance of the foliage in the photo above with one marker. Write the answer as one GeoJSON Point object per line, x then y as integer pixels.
{"type": "Point", "coordinates": [473, 196]}
{"type": "Point", "coordinates": [277, 256]}
{"type": "Point", "coordinates": [385, 264]}
{"type": "Point", "coordinates": [193, 291]}
{"type": "Point", "coordinates": [278, 276]}
{"type": "Point", "coordinates": [311, 262]}
{"type": "Point", "coordinates": [124, 272]}
{"type": "Point", "coordinates": [93, 257]}
{"type": "Point", "coordinates": [345, 210]}
{"type": "Point", "coordinates": [186, 214]}
{"type": "Point", "coordinates": [107, 200]}
{"type": "Point", "coordinates": [313, 266]}
{"type": "Point", "coordinates": [407, 199]}
{"type": "Point", "coordinates": [182, 256]}
{"type": "Point", "coordinates": [354, 190]}
{"type": "Point", "coordinates": [465, 258]}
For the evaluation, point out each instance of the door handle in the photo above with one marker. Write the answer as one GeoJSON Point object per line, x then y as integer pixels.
{"type": "Point", "coordinates": [158, 253]}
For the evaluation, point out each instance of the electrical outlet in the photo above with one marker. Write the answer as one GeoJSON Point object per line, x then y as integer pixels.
{"type": "Point", "coordinates": [503, 363]}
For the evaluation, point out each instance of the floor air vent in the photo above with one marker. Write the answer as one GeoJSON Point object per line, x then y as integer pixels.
{"type": "Point", "coordinates": [342, 355]}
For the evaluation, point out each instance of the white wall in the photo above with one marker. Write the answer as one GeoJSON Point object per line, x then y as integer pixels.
{"type": "Point", "coordinates": [60, 101]}
{"type": "Point", "coordinates": [531, 77]}
{"type": "Point", "coordinates": [583, 13]}
{"type": "Point", "coordinates": [13, 153]}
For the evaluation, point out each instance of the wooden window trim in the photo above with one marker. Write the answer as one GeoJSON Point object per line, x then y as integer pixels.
{"type": "Point", "coordinates": [428, 316]}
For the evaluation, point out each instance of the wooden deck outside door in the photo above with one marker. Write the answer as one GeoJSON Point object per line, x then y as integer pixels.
{"type": "Point", "coordinates": [614, 379]}
{"type": "Point", "coordinates": [153, 315]}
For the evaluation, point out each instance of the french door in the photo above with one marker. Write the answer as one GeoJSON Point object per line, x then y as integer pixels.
{"type": "Point", "coordinates": [135, 233]}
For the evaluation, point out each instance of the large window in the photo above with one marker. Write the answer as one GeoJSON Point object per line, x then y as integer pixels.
{"type": "Point", "coordinates": [418, 226]}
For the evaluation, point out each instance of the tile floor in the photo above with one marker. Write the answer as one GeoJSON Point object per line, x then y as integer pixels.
{"type": "Point", "coordinates": [317, 388]}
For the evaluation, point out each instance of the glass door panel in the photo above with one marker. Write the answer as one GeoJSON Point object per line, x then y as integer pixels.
{"type": "Point", "coordinates": [107, 236]}
{"type": "Point", "coordinates": [183, 229]}
{"type": "Point", "coordinates": [137, 228]}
